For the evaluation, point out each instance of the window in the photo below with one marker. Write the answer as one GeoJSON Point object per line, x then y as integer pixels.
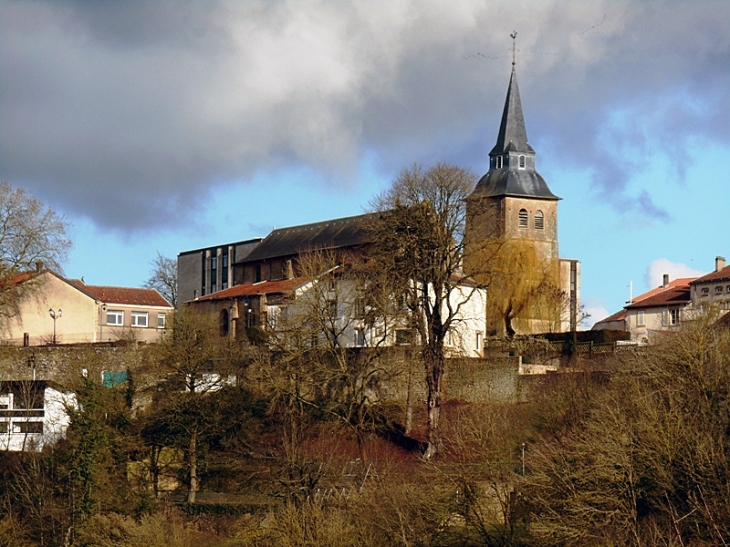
{"type": "Point", "coordinates": [28, 427]}
{"type": "Point", "coordinates": [705, 291]}
{"type": "Point", "coordinates": [115, 317]}
{"type": "Point", "coordinates": [500, 162]}
{"type": "Point", "coordinates": [161, 318]}
{"type": "Point", "coordinates": [539, 220]}
{"type": "Point", "coordinates": [523, 218]}
{"type": "Point", "coordinates": [674, 317]}
{"type": "Point", "coordinates": [718, 290]}
{"type": "Point", "coordinates": [728, 288]}
{"type": "Point", "coordinates": [522, 162]}
{"type": "Point", "coordinates": [359, 337]}
{"type": "Point", "coordinates": [139, 318]}
{"type": "Point", "coordinates": [403, 337]}
{"type": "Point", "coordinates": [640, 319]}
{"type": "Point", "coordinates": [479, 341]}
{"type": "Point", "coordinates": [3, 427]}
{"type": "Point", "coordinates": [360, 308]}
{"type": "Point", "coordinates": [28, 399]}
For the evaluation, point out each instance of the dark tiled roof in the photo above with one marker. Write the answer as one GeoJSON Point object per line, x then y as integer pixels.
{"type": "Point", "coordinates": [679, 283]}
{"type": "Point", "coordinates": [514, 182]}
{"type": "Point", "coordinates": [512, 137]}
{"type": "Point", "coordinates": [512, 133]}
{"type": "Point", "coordinates": [618, 316]}
{"type": "Point", "coordinates": [720, 275]}
{"type": "Point", "coordinates": [330, 234]}
{"type": "Point", "coordinates": [257, 289]}
{"type": "Point", "coordinates": [670, 296]}
{"type": "Point", "coordinates": [123, 295]}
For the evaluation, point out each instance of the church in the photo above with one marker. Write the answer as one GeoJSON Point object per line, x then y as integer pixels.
{"type": "Point", "coordinates": [511, 225]}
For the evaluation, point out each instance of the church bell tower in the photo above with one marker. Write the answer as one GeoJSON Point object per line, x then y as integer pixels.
{"type": "Point", "coordinates": [512, 200]}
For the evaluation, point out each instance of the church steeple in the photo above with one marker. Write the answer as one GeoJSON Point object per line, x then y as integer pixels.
{"type": "Point", "coordinates": [512, 160]}
{"type": "Point", "coordinates": [512, 133]}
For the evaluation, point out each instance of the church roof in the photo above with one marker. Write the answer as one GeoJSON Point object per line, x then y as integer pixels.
{"type": "Point", "coordinates": [509, 178]}
{"type": "Point", "coordinates": [512, 135]}
{"type": "Point", "coordinates": [329, 234]}
{"type": "Point", "coordinates": [513, 182]}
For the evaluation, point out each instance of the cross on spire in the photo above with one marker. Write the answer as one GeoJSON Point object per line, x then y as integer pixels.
{"type": "Point", "coordinates": [514, 39]}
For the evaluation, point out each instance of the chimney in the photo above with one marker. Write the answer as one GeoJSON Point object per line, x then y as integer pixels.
{"type": "Point", "coordinates": [665, 281]}
{"type": "Point", "coordinates": [719, 263]}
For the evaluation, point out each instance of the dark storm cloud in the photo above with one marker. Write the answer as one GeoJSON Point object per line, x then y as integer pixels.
{"type": "Point", "coordinates": [131, 112]}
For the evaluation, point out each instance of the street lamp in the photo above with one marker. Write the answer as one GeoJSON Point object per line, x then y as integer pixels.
{"type": "Point", "coordinates": [55, 315]}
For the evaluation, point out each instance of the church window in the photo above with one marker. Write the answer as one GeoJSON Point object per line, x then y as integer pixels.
{"type": "Point", "coordinates": [522, 162]}
{"type": "Point", "coordinates": [523, 218]}
{"type": "Point", "coordinates": [499, 162]}
{"type": "Point", "coordinates": [539, 220]}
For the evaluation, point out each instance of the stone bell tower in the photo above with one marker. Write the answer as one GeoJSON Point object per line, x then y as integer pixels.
{"type": "Point", "coordinates": [512, 200]}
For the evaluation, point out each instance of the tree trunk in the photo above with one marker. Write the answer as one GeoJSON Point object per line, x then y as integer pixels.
{"type": "Point", "coordinates": [434, 362]}
{"type": "Point", "coordinates": [408, 426]}
{"type": "Point", "coordinates": [193, 466]}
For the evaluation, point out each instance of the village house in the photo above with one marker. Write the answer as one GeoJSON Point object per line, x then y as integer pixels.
{"type": "Point", "coordinates": [33, 414]}
{"type": "Point", "coordinates": [666, 307]}
{"type": "Point", "coordinates": [51, 309]}
{"type": "Point", "coordinates": [713, 289]}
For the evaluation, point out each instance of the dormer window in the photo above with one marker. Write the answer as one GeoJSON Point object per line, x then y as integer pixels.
{"type": "Point", "coordinates": [539, 220]}
{"type": "Point", "coordinates": [522, 162]}
{"type": "Point", "coordinates": [500, 161]}
{"type": "Point", "coordinates": [523, 218]}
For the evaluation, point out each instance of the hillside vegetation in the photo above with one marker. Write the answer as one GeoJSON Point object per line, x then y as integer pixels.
{"type": "Point", "coordinates": [634, 455]}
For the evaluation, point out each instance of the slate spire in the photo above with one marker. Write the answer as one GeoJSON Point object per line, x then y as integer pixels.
{"type": "Point", "coordinates": [512, 134]}
{"type": "Point", "coordinates": [512, 160]}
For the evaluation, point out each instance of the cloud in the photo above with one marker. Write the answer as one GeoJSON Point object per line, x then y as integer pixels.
{"type": "Point", "coordinates": [655, 272]}
{"type": "Point", "coordinates": [132, 113]}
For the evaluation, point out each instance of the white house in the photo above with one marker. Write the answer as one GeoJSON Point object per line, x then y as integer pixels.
{"type": "Point", "coordinates": [335, 306]}
{"type": "Point", "coordinates": [33, 414]}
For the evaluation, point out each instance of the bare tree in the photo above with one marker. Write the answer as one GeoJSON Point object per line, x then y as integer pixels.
{"type": "Point", "coordinates": [197, 361]}
{"type": "Point", "coordinates": [418, 245]}
{"type": "Point", "coordinates": [31, 235]}
{"type": "Point", "coordinates": [163, 278]}
{"type": "Point", "coordinates": [326, 343]}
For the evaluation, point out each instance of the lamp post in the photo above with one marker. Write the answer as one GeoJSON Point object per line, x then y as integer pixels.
{"type": "Point", "coordinates": [55, 315]}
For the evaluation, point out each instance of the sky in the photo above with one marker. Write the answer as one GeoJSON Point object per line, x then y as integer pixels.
{"type": "Point", "coordinates": [161, 126]}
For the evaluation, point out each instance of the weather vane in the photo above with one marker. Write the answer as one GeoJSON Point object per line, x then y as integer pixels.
{"type": "Point", "coordinates": [514, 39]}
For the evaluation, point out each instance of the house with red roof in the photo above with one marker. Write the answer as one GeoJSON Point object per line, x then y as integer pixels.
{"type": "Point", "coordinates": [51, 309]}
{"type": "Point", "coordinates": [659, 310]}
{"type": "Point", "coordinates": [713, 289]}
